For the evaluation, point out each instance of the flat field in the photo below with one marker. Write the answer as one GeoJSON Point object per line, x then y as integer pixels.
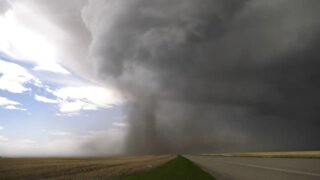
{"type": "Point", "coordinates": [78, 168]}
{"type": "Point", "coordinates": [280, 154]}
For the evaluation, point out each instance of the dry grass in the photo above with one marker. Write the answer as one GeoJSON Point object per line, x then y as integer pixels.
{"type": "Point", "coordinates": [284, 154]}
{"type": "Point", "coordinates": [78, 168]}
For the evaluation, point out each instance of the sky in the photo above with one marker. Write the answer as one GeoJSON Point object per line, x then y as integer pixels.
{"type": "Point", "coordinates": [45, 109]}
{"type": "Point", "coordinates": [107, 77]}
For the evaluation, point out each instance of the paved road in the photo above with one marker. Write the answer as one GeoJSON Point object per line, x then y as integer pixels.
{"type": "Point", "coordinates": [241, 168]}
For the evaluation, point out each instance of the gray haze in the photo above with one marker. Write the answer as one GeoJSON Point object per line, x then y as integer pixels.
{"type": "Point", "coordinates": [202, 75]}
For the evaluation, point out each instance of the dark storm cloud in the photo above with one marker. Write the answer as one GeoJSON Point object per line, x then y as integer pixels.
{"type": "Point", "coordinates": [4, 6]}
{"type": "Point", "coordinates": [197, 75]}
{"type": "Point", "coordinates": [211, 75]}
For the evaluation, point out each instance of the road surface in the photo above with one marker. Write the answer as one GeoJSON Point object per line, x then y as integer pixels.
{"type": "Point", "coordinates": [243, 168]}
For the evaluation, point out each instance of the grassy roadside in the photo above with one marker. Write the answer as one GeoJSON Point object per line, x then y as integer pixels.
{"type": "Point", "coordinates": [178, 168]}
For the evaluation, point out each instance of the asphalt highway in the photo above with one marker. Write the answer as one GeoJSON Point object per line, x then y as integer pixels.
{"type": "Point", "coordinates": [243, 168]}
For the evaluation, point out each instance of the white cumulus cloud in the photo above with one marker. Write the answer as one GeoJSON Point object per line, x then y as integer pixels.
{"type": "Point", "coordinates": [45, 99]}
{"type": "Point", "coordinates": [15, 108]}
{"type": "Point", "coordinates": [74, 99]}
{"type": "Point", "coordinates": [14, 78]}
{"type": "Point", "coordinates": [10, 104]}
{"type": "Point", "coordinates": [5, 102]}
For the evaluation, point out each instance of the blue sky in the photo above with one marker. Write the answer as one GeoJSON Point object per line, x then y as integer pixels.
{"type": "Point", "coordinates": [34, 111]}
{"type": "Point", "coordinates": [46, 109]}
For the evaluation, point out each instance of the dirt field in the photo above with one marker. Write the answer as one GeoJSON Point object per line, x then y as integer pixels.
{"type": "Point", "coordinates": [77, 168]}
